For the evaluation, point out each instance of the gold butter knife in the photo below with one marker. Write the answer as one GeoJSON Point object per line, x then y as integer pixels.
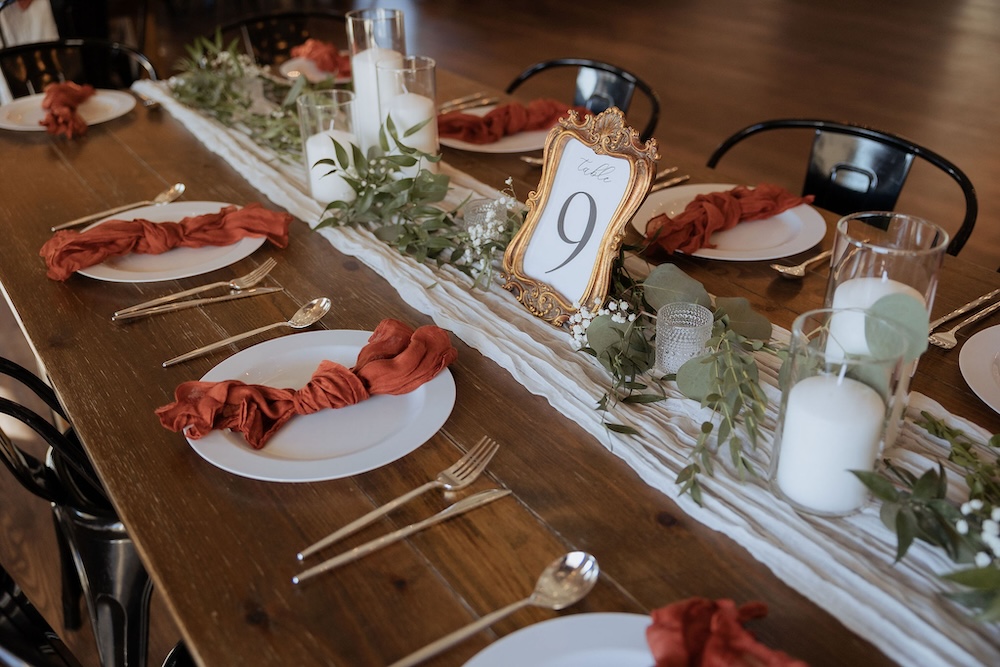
{"type": "Point", "coordinates": [461, 507]}
{"type": "Point", "coordinates": [192, 303]}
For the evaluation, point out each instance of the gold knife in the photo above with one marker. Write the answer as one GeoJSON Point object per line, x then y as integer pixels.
{"type": "Point", "coordinates": [191, 303]}
{"type": "Point", "coordinates": [461, 507]}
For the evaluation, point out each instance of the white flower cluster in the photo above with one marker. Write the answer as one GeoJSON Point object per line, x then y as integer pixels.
{"type": "Point", "coordinates": [490, 226]}
{"type": "Point", "coordinates": [988, 520]}
{"type": "Point", "coordinates": [235, 64]}
{"type": "Point", "coordinates": [579, 321]}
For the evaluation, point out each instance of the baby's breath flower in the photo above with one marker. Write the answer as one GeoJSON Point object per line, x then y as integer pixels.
{"type": "Point", "coordinates": [962, 526]}
{"type": "Point", "coordinates": [983, 559]}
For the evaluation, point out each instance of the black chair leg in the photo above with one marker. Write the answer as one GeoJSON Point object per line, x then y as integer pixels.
{"type": "Point", "coordinates": [25, 636]}
{"type": "Point", "coordinates": [115, 585]}
{"type": "Point", "coordinates": [72, 590]}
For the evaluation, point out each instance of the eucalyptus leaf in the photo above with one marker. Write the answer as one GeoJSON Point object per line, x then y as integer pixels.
{"type": "Point", "coordinates": [668, 284]}
{"type": "Point", "coordinates": [743, 319]}
{"type": "Point", "coordinates": [696, 378]}
{"type": "Point", "coordinates": [910, 315]}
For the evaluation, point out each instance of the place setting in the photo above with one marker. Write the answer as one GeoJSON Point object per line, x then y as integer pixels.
{"type": "Point", "coordinates": [66, 107]}
{"type": "Point", "coordinates": [774, 225]}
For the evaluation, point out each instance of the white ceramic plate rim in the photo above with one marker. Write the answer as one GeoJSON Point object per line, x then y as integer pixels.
{"type": "Point", "coordinates": [579, 640]}
{"type": "Point", "coordinates": [173, 264]}
{"type": "Point", "coordinates": [522, 142]}
{"type": "Point", "coordinates": [790, 232]}
{"type": "Point", "coordinates": [25, 113]}
{"type": "Point", "coordinates": [979, 362]}
{"type": "Point", "coordinates": [366, 436]}
{"type": "Point", "coordinates": [312, 72]}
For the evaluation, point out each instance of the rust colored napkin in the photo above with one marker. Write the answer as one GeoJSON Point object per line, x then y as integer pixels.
{"type": "Point", "coordinates": [395, 361]}
{"type": "Point", "coordinates": [60, 103]}
{"type": "Point", "coordinates": [692, 229]}
{"type": "Point", "coordinates": [69, 250]}
{"type": "Point", "coordinates": [326, 56]}
{"type": "Point", "coordinates": [504, 120]}
{"type": "Point", "coordinates": [698, 632]}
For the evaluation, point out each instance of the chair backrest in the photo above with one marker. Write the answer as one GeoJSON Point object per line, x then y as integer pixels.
{"type": "Point", "coordinates": [599, 86]}
{"type": "Point", "coordinates": [269, 38]}
{"type": "Point", "coordinates": [856, 168]}
{"type": "Point", "coordinates": [67, 477]}
{"type": "Point", "coordinates": [28, 68]}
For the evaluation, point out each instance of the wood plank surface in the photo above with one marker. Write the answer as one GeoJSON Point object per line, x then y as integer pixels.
{"type": "Point", "coordinates": [221, 548]}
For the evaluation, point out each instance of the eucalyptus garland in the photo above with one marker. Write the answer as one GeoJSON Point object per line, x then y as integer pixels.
{"type": "Point", "coordinates": [916, 507]}
{"type": "Point", "coordinates": [229, 86]}
{"type": "Point", "coordinates": [724, 378]}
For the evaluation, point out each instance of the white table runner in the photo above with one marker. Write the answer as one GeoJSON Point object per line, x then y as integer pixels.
{"type": "Point", "coordinates": [843, 565]}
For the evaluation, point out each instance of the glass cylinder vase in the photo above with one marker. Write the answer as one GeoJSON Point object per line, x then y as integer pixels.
{"type": "Point", "coordinates": [373, 35]}
{"type": "Point", "coordinates": [324, 117]}
{"type": "Point", "coordinates": [877, 254]}
{"type": "Point", "coordinates": [406, 93]}
{"type": "Point", "coordinates": [835, 410]}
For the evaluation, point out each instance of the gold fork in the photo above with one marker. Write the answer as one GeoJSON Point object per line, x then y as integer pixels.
{"type": "Point", "coordinates": [458, 476]}
{"type": "Point", "coordinates": [241, 283]}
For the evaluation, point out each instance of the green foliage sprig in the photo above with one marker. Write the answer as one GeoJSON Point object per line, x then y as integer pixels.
{"type": "Point", "coordinates": [229, 86]}
{"type": "Point", "coordinates": [724, 378]}
{"type": "Point", "coordinates": [403, 208]}
{"type": "Point", "coordinates": [916, 507]}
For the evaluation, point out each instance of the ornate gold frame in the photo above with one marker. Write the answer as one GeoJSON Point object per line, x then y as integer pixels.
{"type": "Point", "coordinates": [605, 134]}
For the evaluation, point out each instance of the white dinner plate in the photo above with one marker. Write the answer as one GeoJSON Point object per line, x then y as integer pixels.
{"type": "Point", "coordinates": [793, 231]}
{"type": "Point", "coordinates": [580, 640]}
{"type": "Point", "coordinates": [328, 444]}
{"type": "Point", "coordinates": [173, 264]}
{"type": "Point", "coordinates": [522, 142]}
{"type": "Point", "coordinates": [979, 361]}
{"type": "Point", "coordinates": [295, 67]}
{"type": "Point", "coordinates": [25, 113]}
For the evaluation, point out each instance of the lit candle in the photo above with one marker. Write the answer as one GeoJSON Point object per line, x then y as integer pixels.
{"type": "Point", "coordinates": [831, 425]}
{"type": "Point", "coordinates": [324, 186]}
{"type": "Point", "coordinates": [366, 110]}
{"type": "Point", "coordinates": [408, 110]}
{"type": "Point", "coordinates": [848, 329]}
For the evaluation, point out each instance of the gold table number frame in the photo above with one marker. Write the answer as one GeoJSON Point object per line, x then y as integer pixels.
{"type": "Point", "coordinates": [595, 176]}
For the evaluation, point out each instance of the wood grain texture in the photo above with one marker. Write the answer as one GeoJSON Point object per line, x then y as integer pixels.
{"type": "Point", "coordinates": [221, 548]}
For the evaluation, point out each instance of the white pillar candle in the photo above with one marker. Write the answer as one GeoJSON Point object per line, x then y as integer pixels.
{"type": "Point", "coordinates": [847, 330]}
{"type": "Point", "coordinates": [324, 186]}
{"type": "Point", "coordinates": [832, 425]}
{"type": "Point", "coordinates": [408, 110]}
{"type": "Point", "coordinates": [366, 110]}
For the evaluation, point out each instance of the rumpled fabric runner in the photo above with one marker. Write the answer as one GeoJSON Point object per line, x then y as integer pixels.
{"type": "Point", "coordinates": [69, 250]}
{"type": "Point", "coordinates": [845, 566]}
{"type": "Point", "coordinates": [692, 229]}
{"type": "Point", "coordinates": [698, 632]}
{"type": "Point", "coordinates": [395, 361]}
{"type": "Point", "coordinates": [60, 105]}
{"type": "Point", "coordinates": [325, 55]}
{"type": "Point", "coordinates": [504, 120]}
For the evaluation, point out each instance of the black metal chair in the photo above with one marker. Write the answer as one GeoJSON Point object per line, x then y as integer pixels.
{"type": "Point", "coordinates": [599, 86]}
{"type": "Point", "coordinates": [98, 559]}
{"type": "Point", "coordinates": [25, 637]}
{"type": "Point", "coordinates": [269, 38]}
{"type": "Point", "coordinates": [28, 68]}
{"type": "Point", "coordinates": [855, 168]}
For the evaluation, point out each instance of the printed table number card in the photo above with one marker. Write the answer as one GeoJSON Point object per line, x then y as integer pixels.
{"type": "Point", "coordinates": [595, 176]}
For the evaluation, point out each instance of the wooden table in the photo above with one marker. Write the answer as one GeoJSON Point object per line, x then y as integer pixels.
{"type": "Point", "coordinates": [220, 548]}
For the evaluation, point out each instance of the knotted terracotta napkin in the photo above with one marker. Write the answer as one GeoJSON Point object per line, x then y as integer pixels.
{"type": "Point", "coordinates": [326, 56]}
{"type": "Point", "coordinates": [395, 361]}
{"type": "Point", "coordinates": [698, 632]}
{"type": "Point", "coordinates": [692, 229]}
{"type": "Point", "coordinates": [504, 120]}
{"type": "Point", "coordinates": [60, 103]}
{"type": "Point", "coordinates": [69, 250]}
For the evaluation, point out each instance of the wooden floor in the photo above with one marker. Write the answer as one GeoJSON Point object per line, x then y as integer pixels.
{"type": "Point", "coordinates": [924, 69]}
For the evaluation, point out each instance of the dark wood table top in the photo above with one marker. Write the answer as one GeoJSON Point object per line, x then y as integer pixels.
{"type": "Point", "coordinates": [221, 548]}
